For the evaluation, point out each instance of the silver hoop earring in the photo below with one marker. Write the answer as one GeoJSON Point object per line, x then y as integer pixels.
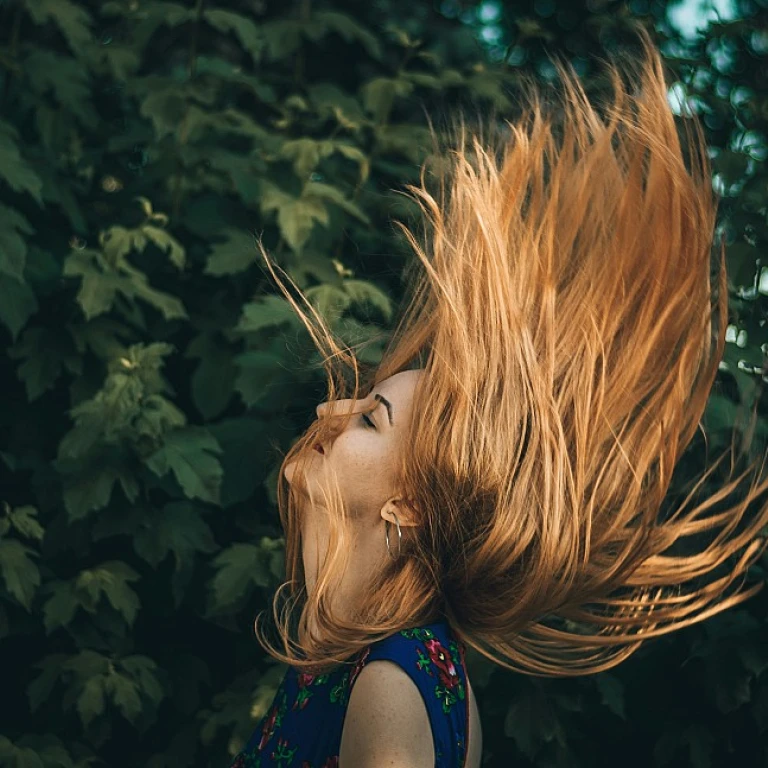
{"type": "Point", "coordinates": [399, 537]}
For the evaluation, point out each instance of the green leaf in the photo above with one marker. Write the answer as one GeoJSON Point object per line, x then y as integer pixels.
{"type": "Point", "coordinates": [17, 304]}
{"type": "Point", "coordinates": [240, 568]}
{"type": "Point", "coordinates": [113, 577]}
{"type": "Point", "coordinates": [212, 380]}
{"type": "Point", "coordinates": [330, 301]}
{"type": "Point", "coordinates": [101, 281]}
{"type": "Point", "coordinates": [314, 190]}
{"type": "Point", "coordinates": [331, 101]}
{"type": "Point", "coordinates": [245, 30]}
{"type": "Point", "coordinates": [21, 575]}
{"type": "Point", "coordinates": [40, 688]}
{"type": "Point", "coordinates": [362, 291]}
{"type": "Point", "coordinates": [265, 312]}
{"type": "Point", "coordinates": [144, 671]}
{"type": "Point", "coordinates": [187, 453]}
{"type": "Point", "coordinates": [73, 21]}
{"type": "Point", "coordinates": [24, 520]}
{"type": "Point", "coordinates": [90, 702]}
{"type": "Point", "coordinates": [235, 255]}
{"type": "Point", "coordinates": [295, 216]}
{"type": "Point", "coordinates": [261, 373]}
{"type": "Point", "coordinates": [346, 27]}
{"type": "Point", "coordinates": [379, 95]}
{"type": "Point", "coordinates": [611, 693]}
{"type": "Point", "coordinates": [282, 38]}
{"type": "Point", "coordinates": [61, 606]}
{"type": "Point", "coordinates": [354, 153]}
{"type": "Point", "coordinates": [66, 78]}
{"type": "Point", "coordinates": [166, 242]}
{"type": "Point", "coordinates": [45, 353]}
{"type": "Point", "coordinates": [179, 529]}
{"type": "Point", "coordinates": [410, 141]}
{"type": "Point", "coordinates": [13, 249]}
{"type": "Point", "coordinates": [125, 693]}
{"type": "Point", "coordinates": [306, 154]}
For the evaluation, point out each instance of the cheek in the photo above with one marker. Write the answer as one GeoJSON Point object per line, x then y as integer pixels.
{"type": "Point", "coordinates": [354, 453]}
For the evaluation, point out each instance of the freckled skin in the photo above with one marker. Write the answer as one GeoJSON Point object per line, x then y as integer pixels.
{"type": "Point", "coordinates": [363, 460]}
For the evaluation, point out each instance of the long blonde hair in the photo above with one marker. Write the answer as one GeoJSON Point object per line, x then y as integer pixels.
{"type": "Point", "coordinates": [562, 309]}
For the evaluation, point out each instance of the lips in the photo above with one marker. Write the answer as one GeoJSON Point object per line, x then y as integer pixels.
{"type": "Point", "coordinates": [318, 448]}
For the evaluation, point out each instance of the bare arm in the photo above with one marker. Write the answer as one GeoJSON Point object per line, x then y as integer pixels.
{"type": "Point", "coordinates": [386, 724]}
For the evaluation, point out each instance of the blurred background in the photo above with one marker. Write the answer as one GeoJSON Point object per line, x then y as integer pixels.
{"type": "Point", "coordinates": [152, 376]}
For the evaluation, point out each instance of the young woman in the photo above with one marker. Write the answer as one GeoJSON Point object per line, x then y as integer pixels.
{"type": "Point", "coordinates": [497, 480]}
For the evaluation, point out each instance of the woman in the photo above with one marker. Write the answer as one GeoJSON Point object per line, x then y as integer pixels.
{"type": "Point", "coordinates": [551, 364]}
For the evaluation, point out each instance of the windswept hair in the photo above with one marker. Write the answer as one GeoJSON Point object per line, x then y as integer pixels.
{"type": "Point", "coordinates": [569, 323]}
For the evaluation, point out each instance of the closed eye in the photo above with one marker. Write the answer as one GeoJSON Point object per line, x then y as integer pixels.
{"type": "Point", "coordinates": [368, 422]}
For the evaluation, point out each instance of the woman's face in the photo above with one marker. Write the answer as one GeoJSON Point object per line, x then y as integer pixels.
{"type": "Point", "coordinates": [363, 458]}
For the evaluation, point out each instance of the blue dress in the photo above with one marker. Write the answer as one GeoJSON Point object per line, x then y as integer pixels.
{"type": "Point", "coordinates": [302, 728]}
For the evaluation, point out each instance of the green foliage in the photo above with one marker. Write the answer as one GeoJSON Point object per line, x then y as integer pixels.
{"type": "Point", "coordinates": [153, 377]}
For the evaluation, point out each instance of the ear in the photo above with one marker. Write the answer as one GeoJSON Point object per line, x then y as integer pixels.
{"type": "Point", "coordinates": [397, 507]}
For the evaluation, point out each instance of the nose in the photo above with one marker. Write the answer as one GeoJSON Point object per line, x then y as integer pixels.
{"type": "Point", "coordinates": [328, 409]}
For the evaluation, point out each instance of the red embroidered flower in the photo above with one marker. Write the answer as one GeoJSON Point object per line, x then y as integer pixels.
{"type": "Point", "coordinates": [441, 658]}
{"type": "Point", "coordinates": [305, 679]}
{"type": "Point", "coordinates": [268, 729]}
{"type": "Point", "coordinates": [357, 669]}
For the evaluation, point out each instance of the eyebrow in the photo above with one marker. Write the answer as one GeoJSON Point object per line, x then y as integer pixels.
{"type": "Point", "coordinates": [388, 405]}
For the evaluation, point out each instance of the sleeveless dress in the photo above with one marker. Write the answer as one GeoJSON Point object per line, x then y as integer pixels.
{"type": "Point", "coordinates": [302, 728]}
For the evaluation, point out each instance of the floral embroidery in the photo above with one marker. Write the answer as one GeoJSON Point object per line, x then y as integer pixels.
{"type": "Point", "coordinates": [340, 693]}
{"type": "Point", "coordinates": [358, 668]}
{"type": "Point", "coordinates": [419, 633]}
{"type": "Point", "coordinates": [449, 689]}
{"type": "Point", "coordinates": [273, 720]}
{"type": "Point", "coordinates": [279, 746]}
{"type": "Point", "coordinates": [281, 752]}
{"type": "Point", "coordinates": [247, 760]}
{"type": "Point", "coordinates": [304, 680]}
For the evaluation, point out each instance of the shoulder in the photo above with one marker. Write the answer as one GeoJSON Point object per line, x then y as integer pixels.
{"type": "Point", "coordinates": [386, 722]}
